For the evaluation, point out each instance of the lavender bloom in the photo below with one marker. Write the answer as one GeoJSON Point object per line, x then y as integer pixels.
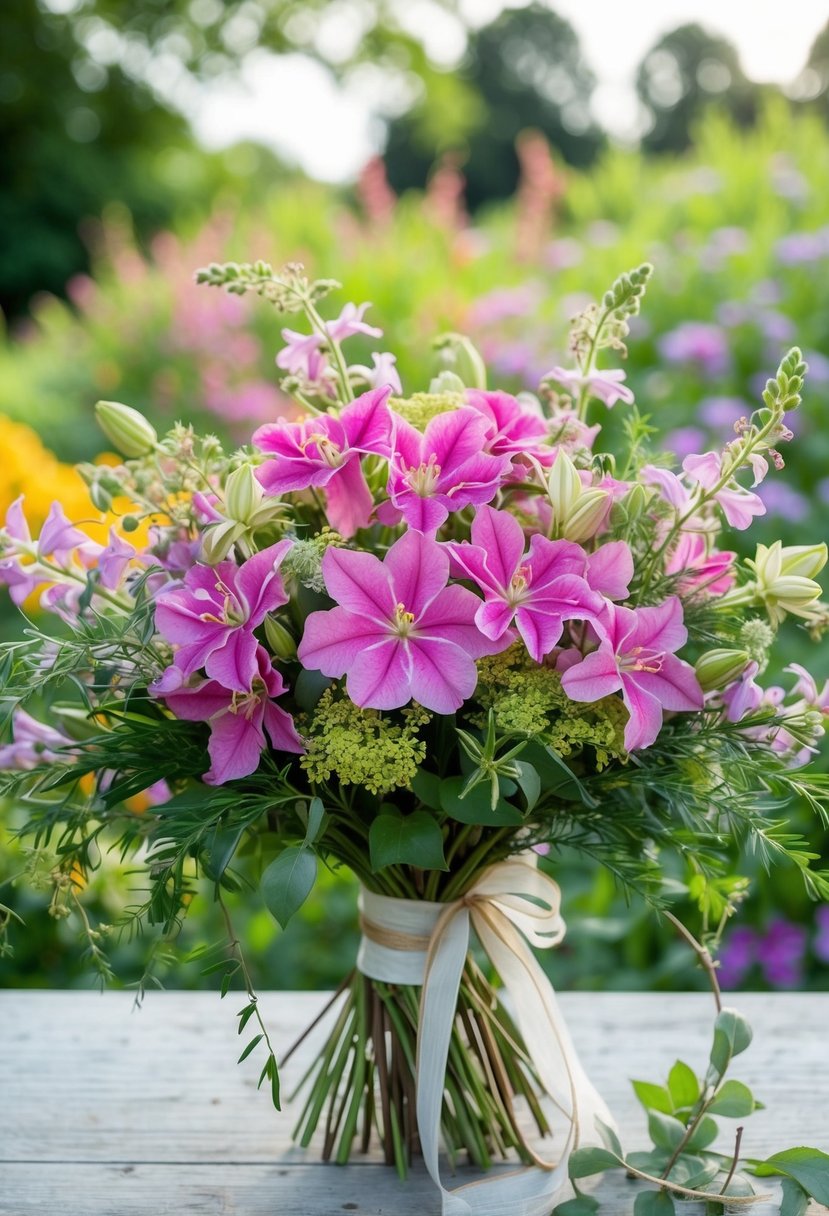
{"type": "Point", "coordinates": [820, 945]}
{"type": "Point", "coordinates": [697, 343]}
{"type": "Point", "coordinates": [802, 247]}
{"type": "Point", "coordinates": [737, 956]}
{"type": "Point", "coordinates": [721, 413]}
{"type": "Point", "coordinates": [685, 440]}
{"type": "Point", "coordinates": [781, 499]}
{"type": "Point", "coordinates": [782, 952]}
{"type": "Point", "coordinates": [818, 367]}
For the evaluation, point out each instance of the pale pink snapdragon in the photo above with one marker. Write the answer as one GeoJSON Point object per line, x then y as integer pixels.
{"type": "Point", "coordinates": [607, 386]}
{"type": "Point", "coordinates": [738, 505]}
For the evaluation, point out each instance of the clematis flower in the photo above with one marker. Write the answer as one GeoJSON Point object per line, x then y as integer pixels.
{"type": "Point", "coordinates": [515, 429]}
{"type": "Point", "coordinates": [608, 385]}
{"type": "Point", "coordinates": [212, 617]}
{"type": "Point", "coordinates": [701, 570]}
{"type": "Point", "coordinates": [538, 591]}
{"type": "Point", "coordinates": [637, 657]}
{"type": "Point", "coordinates": [239, 719]}
{"type": "Point", "coordinates": [398, 631]}
{"type": "Point", "coordinates": [442, 470]}
{"type": "Point", "coordinates": [325, 451]}
{"type": "Point", "coordinates": [739, 506]}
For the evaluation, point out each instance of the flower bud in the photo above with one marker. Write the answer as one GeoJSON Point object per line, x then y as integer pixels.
{"type": "Point", "coordinates": [446, 382]}
{"type": "Point", "coordinates": [279, 639]}
{"type": "Point", "coordinates": [587, 516]}
{"type": "Point", "coordinates": [718, 668]}
{"type": "Point", "coordinates": [126, 428]}
{"type": "Point", "coordinates": [636, 500]}
{"type": "Point", "coordinates": [219, 539]}
{"type": "Point", "coordinates": [243, 494]}
{"type": "Point", "coordinates": [783, 585]}
{"type": "Point", "coordinates": [455, 353]}
{"type": "Point", "coordinates": [805, 560]}
{"type": "Point", "coordinates": [564, 487]}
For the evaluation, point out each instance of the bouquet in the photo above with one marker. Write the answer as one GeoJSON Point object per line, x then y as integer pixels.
{"type": "Point", "coordinates": [433, 638]}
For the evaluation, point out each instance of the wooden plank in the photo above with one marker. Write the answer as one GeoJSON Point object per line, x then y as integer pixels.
{"type": "Point", "coordinates": [93, 1095]}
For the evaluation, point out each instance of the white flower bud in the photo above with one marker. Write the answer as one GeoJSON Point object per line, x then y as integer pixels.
{"type": "Point", "coordinates": [243, 494]}
{"type": "Point", "coordinates": [718, 668]}
{"type": "Point", "coordinates": [126, 428]}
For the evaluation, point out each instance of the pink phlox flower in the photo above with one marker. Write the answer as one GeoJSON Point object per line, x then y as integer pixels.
{"type": "Point", "coordinates": [301, 355]}
{"type": "Point", "coordinates": [326, 451]}
{"type": "Point", "coordinates": [385, 373]}
{"type": "Point", "coordinates": [606, 385]}
{"type": "Point", "coordinates": [444, 469]}
{"type": "Point", "coordinates": [350, 323]}
{"type": "Point", "coordinates": [568, 431]}
{"type": "Point", "coordinates": [398, 632]}
{"type": "Point", "coordinates": [739, 506]}
{"type": "Point", "coordinates": [515, 427]}
{"type": "Point", "coordinates": [636, 656]}
{"type": "Point", "coordinates": [205, 506]}
{"type": "Point", "coordinates": [32, 743]}
{"type": "Point", "coordinates": [610, 569]}
{"type": "Point", "coordinates": [701, 569]}
{"type": "Point", "coordinates": [239, 719]}
{"type": "Point", "coordinates": [60, 540]}
{"type": "Point", "coordinates": [114, 560]}
{"type": "Point", "coordinates": [211, 618]}
{"type": "Point", "coordinates": [537, 591]}
{"type": "Point", "coordinates": [671, 488]}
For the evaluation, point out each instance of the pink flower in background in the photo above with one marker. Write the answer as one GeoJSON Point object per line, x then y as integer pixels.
{"type": "Point", "coordinates": [515, 429]}
{"type": "Point", "coordinates": [607, 385]}
{"type": "Point", "coordinates": [697, 343]}
{"type": "Point", "coordinates": [350, 322]}
{"type": "Point", "coordinates": [212, 617]}
{"type": "Point", "coordinates": [239, 719]}
{"type": "Point", "coordinates": [32, 743]}
{"type": "Point", "coordinates": [59, 539]}
{"type": "Point", "coordinates": [442, 470]}
{"type": "Point", "coordinates": [114, 560]}
{"type": "Point", "coordinates": [385, 373]}
{"type": "Point", "coordinates": [806, 688]}
{"type": "Point", "coordinates": [301, 355]}
{"type": "Point", "coordinates": [701, 570]}
{"type": "Point", "coordinates": [538, 591]}
{"type": "Point", "coordinates": [670, 487]}
{"type": "Point", "coordinates": [637, 658]}
{"type": "Point", "coordinates": [325, 451]}
{"type": "Point", "coordinates": [398, 632]}
{"type": "Point", "coordinates": [739, 506]}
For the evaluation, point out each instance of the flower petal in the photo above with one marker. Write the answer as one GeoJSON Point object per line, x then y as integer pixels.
{"type": "Point", "coordinates": [540, 631]}
{"type": "Point", "coordinates": [454, 437]}
{"type": "Point", "coordinates": [419, 568]}
{"type": "Point", "coordinates": [658, 628]}
{"type": "Point", "coordinates": [596, 676]}
{"type": "Point", "coordinates": [360, 583]}
{"type": "Point", "coordinates": [348, 499]}
{"type": "Point", "coordinates": [675, 685]}
{"type": "Point", "coordinates": [367, 422]}
{"type": "Point", "coordinates": [235, 747]}
{"type": "Point", "coordinates": [281, 730]}
{"type": "Point", "coordinates": [501, 537]}
{"type": "Point", "coordinates": [645, 714]}
{"type": "Point", "coordinates": [333, 639]}
{"type": "Point", "coordinates": [260, 584]}
{"type": "Point", "coordinates": [442, 676]}
{"type": "Point", "coordinates": [234, 664]}
{"type": "Point", "coordinates": [379, 677]}
{"type": "Point", "coordinates": [610, 569]}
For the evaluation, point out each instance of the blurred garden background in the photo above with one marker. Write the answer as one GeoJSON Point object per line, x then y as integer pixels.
{"type": "Point", "coordinates": [468, 167]}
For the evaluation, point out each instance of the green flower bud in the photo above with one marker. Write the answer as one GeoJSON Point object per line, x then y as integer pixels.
{"type": "Point", "coordinates": [636, 500]}
{"type": "Point", "coordinates": [219, 539]}
{"type": "Point", "coordinates": [446, 382]}
{"type": "Point", "coordinates": [279, 639]}
{"type": "Point", "coordinates": [126, 428]}
{"type": "Point", "coordinates": [455, 353]}
{"type": "Point", "coordinates": [564, 486]}
{"type": "Point", "coordinates": [783, 578]}
{"type": "Point", "coordinates": [718, 668]}
{"type": "Point", "coordinates": [585, 518]}
{"type": "Point", "coordinates": [243, 494]}
{"type": "Point", "coordinates": [805, 560]}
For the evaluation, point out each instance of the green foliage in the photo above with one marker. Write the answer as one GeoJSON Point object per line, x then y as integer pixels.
{"type": "Point", "coordinates": [288, 881]}
{"type": "Point", "coordinates": [413, 840]}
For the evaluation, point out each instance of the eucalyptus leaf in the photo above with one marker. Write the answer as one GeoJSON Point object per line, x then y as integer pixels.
{"type": "Point", "coordinates": [586, 1161]}
{"type": "Point", "coordinates": [732, 1099]}
{"type": "Point", "coordinates": [654, 1097]}
{"type": "Point", "coordinates": [794, 1200]}
{"type": "Point", "coordinates": [582, 1205]}
{"type": "Point", "coordinates": [413, 840]}
{"type": "Point", "coordinates": [683, 1085]}
{"type": "Point", "coordinates": [732, 1035]}
{"type": "Point", "coordinates": [609, 1138]}
{"type": "Point", "coordinates": [665, 1131]}
{"type": "Point", "coordinates": [807, 1166]}
{"type": "Point", "coordinates": [705, 1133]}
{"type": "Point", "coordinates": [653, 1203]}
{"type": "Point", "coordinates": [288, 881]}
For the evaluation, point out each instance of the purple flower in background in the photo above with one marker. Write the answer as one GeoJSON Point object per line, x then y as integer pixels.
{"type": "Point", "coordinates": [820, 946]}
{"type": "Point", "coordinates": [502, 304]}
{"type": "Point", "coordinates": [721, 413]}
{"type": "Point", "coordinates": [32, 743]}
{"type": "Point", "coordinates": [818, 367]}
{"type": "Point", "coordinates": [398, 632]}
{"type": "Point", "coordinates": [781, 499]}
{"type": "Point", "coordinates": [781, 953]}
{"type": "Point", "coordinates": [563, 253]}
{"type": "Point", "coordinates": [699, 344]}
{"type": "Point", "coordinates": [385, 373]}
{"type": "Point", "coordinates": [114, 560]}
{"type": "Point", "coordinates": [607, 385]}
{"type": "Point", "coordinates": [802, 247]}
{"type": "Point", "coordinates": [685, 440]}
{"type": "Point", "coordinates": [239, 719]}
{"type": "Point", "coordinates": [737, 956]}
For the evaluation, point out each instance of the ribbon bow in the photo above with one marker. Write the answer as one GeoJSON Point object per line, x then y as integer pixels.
{"type": "Point", "coordinates": [512, 906]}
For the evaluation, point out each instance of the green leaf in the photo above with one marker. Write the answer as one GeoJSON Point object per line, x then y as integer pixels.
{"type": "Point", "coordinates": [653, 1203]}
{"type": "Point", "coordinates": [665, 1131]}
{"type": "Point", "coordinates": [287, 883]}
{"type": "Point", "coordinates": [245, 1015]}
{"type": "Point", "coordinates": [316, 814]}
{"type": "Point", "coordinates": [654, 1097]}
{"type": "Point", "coordinates": [426, 787]}
{"type": "Point", "coordinates": [652, 1162]}
{"type": "Point", "coordinates": [609, 1138]}
{"type": "Point", "coordinates": [732, 1034]}
{"type": "Point", "coordinates": [587, 1161]}
{"type": "Point", "coordinates": [807, 1166]}
{"type": "Point", "coordinates": [683, 1085]}
{"type": "Point", "coordinates": [255, 1041]}
{"type": "Point", "coordinates": [309, 687]}
{"type": "Point", "coordinates": [582, 1205]}
{"type": "Point", "coordinates": [475, 807]}
{"type": "Point", "coordinates": [413, 840]}
{"type": "Point", "coordinates": [705, 1133]}
{"type": "Point", "coordinates": [222, 848]}
{"type": "Point", "coordinates": [529, 783]}
{"type": "Point", "coordinates": [698, 1180]}
{"type": "Point", "coordinates": [795, 1200]}
{"type": "Point", "coordinates": [733, 1099]}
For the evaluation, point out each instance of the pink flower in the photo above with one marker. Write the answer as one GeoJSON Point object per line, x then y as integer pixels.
{"type": "Point", "coordinates": [325, 451]}
{"type": "Point", "coordinates": [669, 485]}
{"type": "Point", "coordinates": [442, 470]}
{"type": "Point", "coordinates": [743, 696]}
{"type": "Point", "coordinates": [385, 373]}
{"type": "Point", "coordinates": [739, 506]}
{"type": "Point", "coordinates": [514, 429]}
{"type": "Point", "coordinates": [59, 539]}
{"type": "Point", "coordinates": [33, 743]}
{"type": "Point", "coordinates": [114, 560]}
{"type": "Point", "coordinates": [637, 657]}
{"type": "Point", "coordinates": [238, 719]}
{"type": "Point", "coordinates": [350, 322]}
{"type": "Point", "coordinates": [701, 570]}
{"type": "Point", "coordinates": [301, 355]}
{"type": "Point", "coordinates": [807, 688]}
{"type": "Point", "coordinates": [398, 632]}
{"type": "Point", "coordinates": [538, 591]}
{"type": "Point", "coordinates": [606, 385]}
{"type": "Point", "coordinates": [610, 569]}
{"type": "Point", "coordinates": [212, 617]}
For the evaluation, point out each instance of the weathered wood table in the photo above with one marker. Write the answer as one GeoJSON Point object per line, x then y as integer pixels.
{"type": "Point", "coordinates": [109, 1112]}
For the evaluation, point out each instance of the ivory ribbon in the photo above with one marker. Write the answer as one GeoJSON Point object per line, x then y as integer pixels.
{"type": "Point", "coordinates": [511, 907]}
